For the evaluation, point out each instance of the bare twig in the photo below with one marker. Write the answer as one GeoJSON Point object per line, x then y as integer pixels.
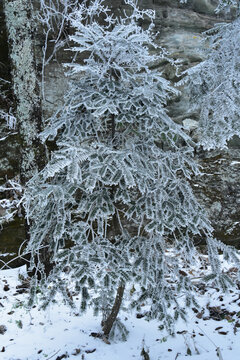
{"type": "Point", "coordinates": [219, 354]}
{"type": "Point", "coordinates": [53, 355]}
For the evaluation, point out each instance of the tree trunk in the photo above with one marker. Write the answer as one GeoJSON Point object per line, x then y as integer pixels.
{"type": "Point", "coordinates": [19, 19]}
{"type": "Point", "coordinates": [108, 323]}
{"type": "Point", "coordinates": [20, 24]}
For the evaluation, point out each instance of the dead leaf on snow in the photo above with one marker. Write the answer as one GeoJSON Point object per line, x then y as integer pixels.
{"type": "Point", "coordinates": [76, 352]}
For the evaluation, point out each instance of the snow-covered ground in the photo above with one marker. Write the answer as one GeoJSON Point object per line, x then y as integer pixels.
{"type": "Point", "coordinates": [59, 333]}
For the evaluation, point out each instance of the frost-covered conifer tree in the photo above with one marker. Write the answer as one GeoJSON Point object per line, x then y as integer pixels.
{"type": "Point", "coordinates": [214, 84]}
{"type": "Point", "coordinates": [116, 189]}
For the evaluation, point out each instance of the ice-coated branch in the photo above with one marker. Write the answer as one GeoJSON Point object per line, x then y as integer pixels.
{"type": "Point", "coordinates": [11, 199]}
{"type": "Point", "coordinates": [213, 86]}
{"type": "Point", "coordinates": [52, 17]}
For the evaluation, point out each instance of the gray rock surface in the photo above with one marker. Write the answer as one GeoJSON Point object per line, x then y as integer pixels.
{"type": "Point", "coordinates": [218, 189]}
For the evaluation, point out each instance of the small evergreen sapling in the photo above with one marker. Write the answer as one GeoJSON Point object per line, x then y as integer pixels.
{"type": "Point", "coordinates": [116, 187]}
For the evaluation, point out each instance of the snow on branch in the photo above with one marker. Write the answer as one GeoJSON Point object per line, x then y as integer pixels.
{"type": "Point", "coordinates": [10, 200]}
{"type": "Point", "coordinates": [213, 86]}
{"type": "Point", "coordinates": [227, 5]}
{"type": "Point", "coordinates": [8, 117]}
{"type": "Point", "coordinates": [53, 19]}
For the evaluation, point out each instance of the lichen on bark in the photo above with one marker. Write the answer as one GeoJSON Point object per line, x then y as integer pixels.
{"type": "Point", "coordinates": [20, 27]}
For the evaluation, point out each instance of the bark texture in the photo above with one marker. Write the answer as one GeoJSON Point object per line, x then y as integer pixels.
{"type": "Point", "coordinates": [108, 323]}
{"type": "Point", "coordinates": [19, 22]}
{"type": "Point", "coordinates": [19, 18]}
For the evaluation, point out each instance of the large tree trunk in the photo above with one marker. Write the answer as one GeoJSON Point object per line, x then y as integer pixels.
{"type": "Point", "coordinates": [20, 24]}
{"type": "Point", "coordinates": [108, 323]}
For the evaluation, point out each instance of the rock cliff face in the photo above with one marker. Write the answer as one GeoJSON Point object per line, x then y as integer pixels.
{"type": "Point", "coordinates": [219, 191]}
{"type": "Point", "coordinates": [179, 28]}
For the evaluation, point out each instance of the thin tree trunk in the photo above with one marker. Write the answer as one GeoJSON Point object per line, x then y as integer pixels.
{"type": "Point", "coordinates": [108, 323]}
